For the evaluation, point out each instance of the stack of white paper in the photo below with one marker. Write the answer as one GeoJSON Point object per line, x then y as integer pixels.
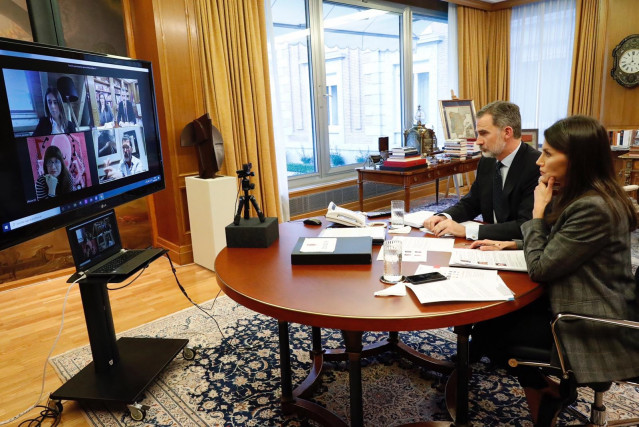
{"type": "Point", "coordinates": [416, 219]}
{"type": "Point", "coordinates": [377, 233]}
{"type": "Point", "coordinates": [463, 284]}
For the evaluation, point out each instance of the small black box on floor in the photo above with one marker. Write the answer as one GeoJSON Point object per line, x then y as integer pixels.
{"type": "Point", "coordinates": [251, 233]}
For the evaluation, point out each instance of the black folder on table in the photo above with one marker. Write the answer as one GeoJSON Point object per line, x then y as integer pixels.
{"type": "Point", "coordinates": [348, 250]}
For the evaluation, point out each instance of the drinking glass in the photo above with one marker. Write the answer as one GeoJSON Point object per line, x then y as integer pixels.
{"type": "Point", "coordinates": [392, 261]}
{"type": "Point", "coordinates": [397, 213]}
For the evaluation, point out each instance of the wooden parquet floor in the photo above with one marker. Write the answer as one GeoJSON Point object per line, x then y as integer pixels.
{"type": "Point", "coordinates": [30, 319]}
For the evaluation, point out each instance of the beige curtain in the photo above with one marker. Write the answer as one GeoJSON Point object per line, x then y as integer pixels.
{"type": "Point", "coordinates": [499, 55]}
{"type": "Point", "coordinates": [483, 48]}
{"type": "Point", "coordinates": [586, 59]}
{"type": "Point", "coordinates": [237, 92]}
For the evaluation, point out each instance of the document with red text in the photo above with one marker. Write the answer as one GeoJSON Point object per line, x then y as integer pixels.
{"type": "Point", "coordinates": [494, 260]}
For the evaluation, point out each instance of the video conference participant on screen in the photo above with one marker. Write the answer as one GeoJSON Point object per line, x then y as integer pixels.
{"type": "Point", "coordinates": [106, 114]}
{"type": "Point", "coordinates": [129, 164]}
{"type": "Point", "coordinates": [55, 121]}
{"type": "Point", "coordinates": [106, 143]}
{"type": "Point", "coordinates": [56, 179]}
{"type": "Point", "coordinates": [126, 113]}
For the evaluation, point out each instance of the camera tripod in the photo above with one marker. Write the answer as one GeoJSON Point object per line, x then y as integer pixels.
{"type": "Point", "coordinates": [246, 198]}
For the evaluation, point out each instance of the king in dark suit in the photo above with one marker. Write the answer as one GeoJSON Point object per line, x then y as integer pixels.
{"type": "Point", "coordinates": [499, 138]}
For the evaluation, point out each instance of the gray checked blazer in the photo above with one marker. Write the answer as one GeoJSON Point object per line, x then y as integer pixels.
{"type": "Point", "coordinates": [584, 261]}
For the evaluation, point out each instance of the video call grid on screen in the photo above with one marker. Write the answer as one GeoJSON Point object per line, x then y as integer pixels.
{"type": "Point", "coordinates": [88, 158]}
{"type": "Point", "coordinates": [103, 137]}
{"type": "Point", "coordinates": [90, 239]}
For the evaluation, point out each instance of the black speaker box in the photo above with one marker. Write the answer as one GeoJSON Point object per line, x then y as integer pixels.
{"type": "Point", "coordinates": [382, 143]}
{"type": "Point", "coordinates": [251, 233]}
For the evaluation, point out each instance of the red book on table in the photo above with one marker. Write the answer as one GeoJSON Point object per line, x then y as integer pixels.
{"type": "Point", "coordinates": [417, 161]}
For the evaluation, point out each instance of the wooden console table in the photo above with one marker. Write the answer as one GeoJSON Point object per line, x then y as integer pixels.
{"type": "Point", "coordinates": [413, 177]}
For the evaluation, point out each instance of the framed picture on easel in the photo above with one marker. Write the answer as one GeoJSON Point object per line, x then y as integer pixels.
{"type": "Point", "coordinates": [458, 118]}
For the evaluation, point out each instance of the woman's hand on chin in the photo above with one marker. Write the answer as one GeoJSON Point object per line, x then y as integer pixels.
{"type": "Point", "coordinates": [543, 195]}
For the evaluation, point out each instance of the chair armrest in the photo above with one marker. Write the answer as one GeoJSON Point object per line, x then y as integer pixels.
{"type": "Point", "coordinates": [569, 316]}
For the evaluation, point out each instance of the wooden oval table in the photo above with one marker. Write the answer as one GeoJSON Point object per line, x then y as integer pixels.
{"type": "Point", "coordinates": [341, 297]}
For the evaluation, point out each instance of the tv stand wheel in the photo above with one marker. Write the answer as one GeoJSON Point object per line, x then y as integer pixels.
{"type": "Point", "coordinates": [189, 353]}
{"type": "Point", "coordinates": [137, 411]}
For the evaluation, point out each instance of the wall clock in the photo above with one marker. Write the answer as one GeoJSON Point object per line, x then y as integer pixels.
{"type": "Point", "coordinates": [625, 68]}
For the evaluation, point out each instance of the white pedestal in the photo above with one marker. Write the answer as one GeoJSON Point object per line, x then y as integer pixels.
{"type": "Point", "coordinates": [211, 205]}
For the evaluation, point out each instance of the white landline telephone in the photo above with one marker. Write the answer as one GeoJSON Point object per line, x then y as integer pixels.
{"type": "Point", "coordinates": [345, 216]}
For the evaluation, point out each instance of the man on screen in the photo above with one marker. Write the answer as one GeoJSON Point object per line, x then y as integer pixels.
{"type": "Point", "coordinates": [126, 113]}
{"type": "Point", "coordinates": [130, 165]}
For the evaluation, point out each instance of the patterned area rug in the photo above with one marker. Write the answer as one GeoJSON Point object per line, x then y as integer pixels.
{"type": "Point", "coordinates": [234, 378]}
{"type": "Point", "coordinates": [234, 381]}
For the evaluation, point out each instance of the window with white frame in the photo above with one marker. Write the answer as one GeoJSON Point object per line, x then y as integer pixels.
{"type": "Point", "coordinates": [340, 80]}
{"type": "Point", "coordinates": [333, 105]}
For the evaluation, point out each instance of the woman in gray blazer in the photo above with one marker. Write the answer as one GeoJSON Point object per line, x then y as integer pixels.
{"type": "Point", "coordinates": [578, 245]}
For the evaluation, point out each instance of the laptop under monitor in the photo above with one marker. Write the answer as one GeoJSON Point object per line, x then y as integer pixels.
{"type": "Point", "coordinates": [97, 250]}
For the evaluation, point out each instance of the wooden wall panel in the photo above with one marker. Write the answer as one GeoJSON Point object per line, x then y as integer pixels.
{"type": "Point", "coordinates": [165, 33]}
{"type": "Point", "coordinates": [619, 104]}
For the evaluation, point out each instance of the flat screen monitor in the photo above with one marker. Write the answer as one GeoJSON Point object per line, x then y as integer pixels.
{"type": "Point", "coordinates": [79, 134]}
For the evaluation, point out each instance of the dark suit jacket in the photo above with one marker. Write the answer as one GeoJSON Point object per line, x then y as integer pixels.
{"type": "Point", "coordinates": [44, 127]}
{"type": "Point", "coordinates": [519, 188]}
{"type": "Point", "coordinates": [130, 113]}
{"type": "Point", "coordinates": [584, 261]}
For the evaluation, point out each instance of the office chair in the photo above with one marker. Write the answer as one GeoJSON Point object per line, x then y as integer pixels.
{"type": "Point", "coordinates": [568, 384]}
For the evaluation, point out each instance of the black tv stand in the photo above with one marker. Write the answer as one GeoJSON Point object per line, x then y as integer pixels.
{"type": "Point", "coordinates": [121, 369]}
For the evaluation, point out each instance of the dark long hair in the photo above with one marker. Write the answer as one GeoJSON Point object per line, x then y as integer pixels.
{"type": "Point", "coordinates": [100, 107]}
{"type": "Point", "coordinates": [65, 184]}
{"type": "Point", "coordinates": [585, 143]}
{"type": "Point", "coordinates": [63, 122]}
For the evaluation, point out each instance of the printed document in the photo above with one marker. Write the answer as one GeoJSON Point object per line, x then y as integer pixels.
{"type": "Point", "coordinates": [462, 284]}
{"type": "Point", "coordinates": [415, 249]}
{"type": "Point", "coordinates": [495, 260]}
{"type": "Point", "coordinates": [416, 219]}
{"type": "Point", "coordinates": [317, 244]}
{"type": "Point", "coordinates": [377, 233]}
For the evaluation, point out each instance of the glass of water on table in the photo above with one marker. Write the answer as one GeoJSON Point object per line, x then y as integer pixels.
{"type": "Point", "coordinates": [397, 214]}
{"type": "Point", "coordinates": [392, 261]}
